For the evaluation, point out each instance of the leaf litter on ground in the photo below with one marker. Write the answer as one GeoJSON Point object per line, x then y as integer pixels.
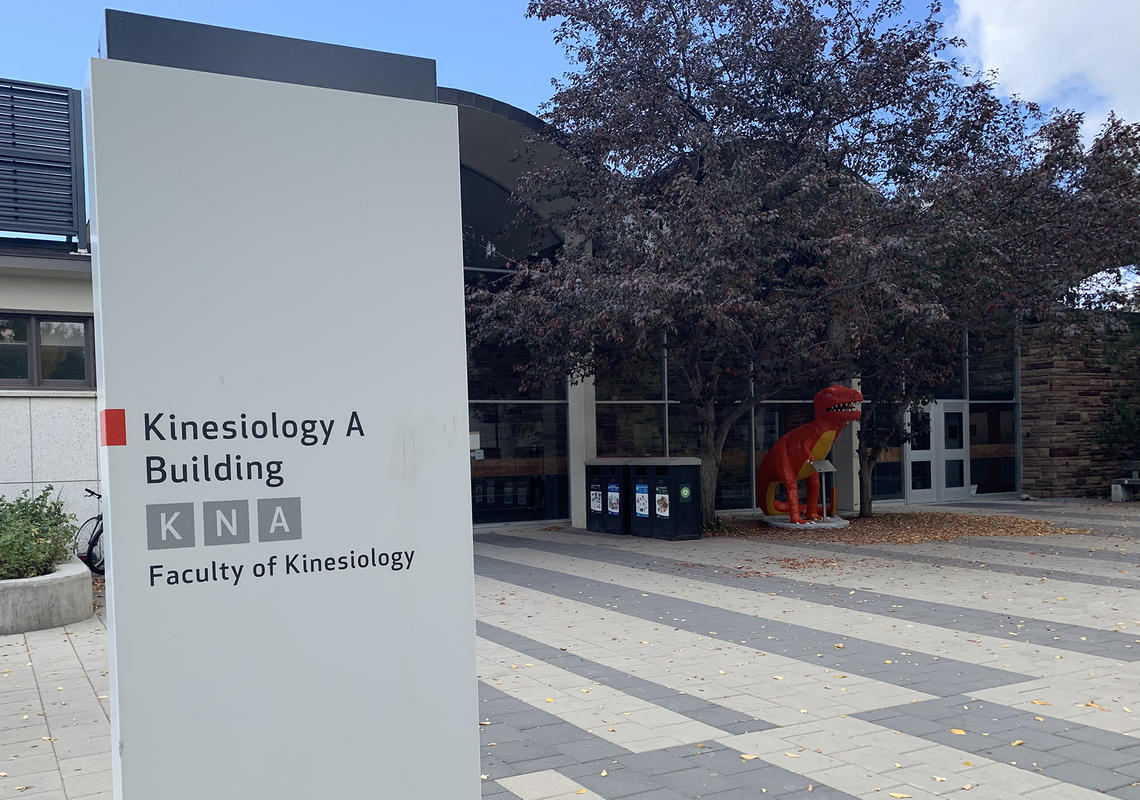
{"type": "Point", "coordinates": [892, 527]}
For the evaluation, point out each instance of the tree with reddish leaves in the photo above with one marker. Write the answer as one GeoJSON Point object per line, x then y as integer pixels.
{"type": "Point", "coordinates": [776, 188]}
{"type": "Point", "coordinates": [1024, 222]}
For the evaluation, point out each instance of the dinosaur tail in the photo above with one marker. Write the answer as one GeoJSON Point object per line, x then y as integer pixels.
{"type": "Point", "coordinates": [772, 506]}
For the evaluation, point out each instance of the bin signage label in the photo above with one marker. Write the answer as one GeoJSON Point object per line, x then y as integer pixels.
{"type": "Point", "coordinates": [613, 498]}
{"type": "Point", "coordinates": [596, 499]}
{"type": "Point", "coordinates": [686, 492]}
{"type": "Point", "coordinates": [641, 500]}
{"type": "Point", "coordinates": [662, 501]}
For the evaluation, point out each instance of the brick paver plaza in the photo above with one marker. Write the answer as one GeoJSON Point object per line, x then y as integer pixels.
{"type": "Point", "coordinates": [616, 667]}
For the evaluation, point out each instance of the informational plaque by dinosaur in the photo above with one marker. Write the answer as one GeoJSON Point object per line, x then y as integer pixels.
{"type": "Point", "coordinates": [283, 410]}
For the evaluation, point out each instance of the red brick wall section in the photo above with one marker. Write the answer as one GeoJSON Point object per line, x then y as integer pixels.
{"type": "Point", "coordinates": [1068, 385]}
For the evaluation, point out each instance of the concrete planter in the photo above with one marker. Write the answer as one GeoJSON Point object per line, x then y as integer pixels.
{"type": "Point", "coordinates": [32, 604]}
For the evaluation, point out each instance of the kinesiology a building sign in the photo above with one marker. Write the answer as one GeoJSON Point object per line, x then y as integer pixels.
{"type": "Point", "coordinates": [283, 417]}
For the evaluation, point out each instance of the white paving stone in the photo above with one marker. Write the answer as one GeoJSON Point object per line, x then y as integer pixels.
{"type": "Point", "coordinates": [990, 651]}
{"type": "Point", "coordinates": [773, 687]}
{"type": "Point", "coordinates": [546, 785]}
{"type": "Point", "coordinates": [876, 768]}
{"type": "Point", "coordinates": [1099, 607]}
{"type": "Point", "coordinates": [598, 710]}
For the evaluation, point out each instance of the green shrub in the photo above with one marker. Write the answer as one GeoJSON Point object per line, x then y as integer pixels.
{"type": "Point", "coordinates": [35, 535]}
{"type": "Point", "coordinates": [1121, 428]}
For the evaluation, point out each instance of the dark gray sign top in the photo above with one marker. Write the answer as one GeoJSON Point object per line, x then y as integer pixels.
{"type": "Point", "coordinates": [208, 48]}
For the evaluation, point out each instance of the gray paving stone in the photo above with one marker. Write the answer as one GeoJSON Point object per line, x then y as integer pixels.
{"type": "Point", "coordinates": [496, 792]}
{"type": "Point", "coordinates": [698, 781]}
{"type": "Point", "coordinates": [793, 641]}
{"type": "Point", "coordinates": [1097, 756]}
{"type": "Point", "coordinates": [1114, 555]}
{"type": "Point", "coordinates": [590, 749]}
{"type": "Point", "coordinates": [1076, 638]}
{"type": "Point", "coordinates": [533, 739]}
{"type": "Point", "coordinates": [660, 793]}
{"type": "Point", "coordinates": [947, 561]}
{"type": "Point", "coordinates": [1090, 777]}
{"type": "Point", "coordinates": [1098, 737]}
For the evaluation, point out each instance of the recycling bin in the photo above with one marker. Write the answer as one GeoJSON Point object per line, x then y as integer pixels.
{"type": "Point", "coordinates": [641, 476]}
{"type": "Point", "coordinates": [676, 499]}
{"type": "Point", "coordinates": [607, 507]}
{"type": "Point", "coordinates": [663, 497]}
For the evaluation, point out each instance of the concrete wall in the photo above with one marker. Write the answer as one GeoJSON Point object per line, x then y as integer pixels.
{"type": "Point", "coordinates": [64, 294]}
{"type": "Point", "coordinates": [48, 437]}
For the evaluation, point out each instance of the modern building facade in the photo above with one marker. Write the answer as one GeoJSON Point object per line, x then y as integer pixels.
{"type": "Point", "coordinates": [528, 448]}
{"type": "Point", "coordinates": [47, 364]}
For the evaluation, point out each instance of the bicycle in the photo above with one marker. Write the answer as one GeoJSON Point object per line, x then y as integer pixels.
{"type": "Point", "coordinates": [88, 544]}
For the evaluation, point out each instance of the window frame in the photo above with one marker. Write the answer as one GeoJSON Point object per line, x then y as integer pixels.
{"type": "Point", "coordinates": [35, 380]}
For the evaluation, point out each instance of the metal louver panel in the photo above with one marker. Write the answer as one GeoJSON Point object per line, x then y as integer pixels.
{"type": "Point", "coordinates": [41, 160]}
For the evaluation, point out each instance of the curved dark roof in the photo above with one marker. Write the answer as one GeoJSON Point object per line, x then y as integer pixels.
{"type": "Point", "coordinates": [460, 97]}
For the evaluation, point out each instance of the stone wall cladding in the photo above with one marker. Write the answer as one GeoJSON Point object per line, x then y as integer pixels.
{"type": "Point", "coordinates": [1068, 385]}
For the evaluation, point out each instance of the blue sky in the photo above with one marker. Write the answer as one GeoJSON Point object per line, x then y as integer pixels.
{"type": "Point", "coordinates": [485, 46]}
{"type": "Point", "coordinates": [1059, 52]}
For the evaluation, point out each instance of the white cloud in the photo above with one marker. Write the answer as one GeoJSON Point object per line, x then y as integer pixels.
{"type": "Point", "coordinates": [1080, 54]}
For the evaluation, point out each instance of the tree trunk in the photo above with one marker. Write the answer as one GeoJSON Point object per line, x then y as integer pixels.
{"type": "Point", "coordinates": [709, 448]}
{"type": "Point", "coordinates": [866, 469]}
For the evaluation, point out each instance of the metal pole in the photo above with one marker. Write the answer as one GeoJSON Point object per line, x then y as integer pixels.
{"type": "Point", "coordinates": [665, 386]}
{"type": "Point", "coordinates": [823, 482]}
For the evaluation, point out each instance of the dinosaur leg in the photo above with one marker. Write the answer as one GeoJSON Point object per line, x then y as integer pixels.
{"type": "Point", "coordinates": [812, 510]}
{"type": "Point", "coordinates": [790, 484]}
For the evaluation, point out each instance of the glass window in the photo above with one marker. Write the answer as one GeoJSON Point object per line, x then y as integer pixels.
{"type": "Point", "coordinates": [518, 470]}
{"type": "Point", "coordinates": [993, 447]}
{"type": "Point", "coordinates": [955, 473]}
{"type": "Point", "coordinates": [920, 431]}
{"type": "Point", "coordinates": [42, 351]}
{"type": "Point", "coordinates": [953, 433]}
{"type": "Point", "coordinates": [63, 351]}
{"type": "Point", "coordinates": [634, 378]}
{"type": "Point", "coordinates": [491, 375]}
{"type": "Point", "coordinates": [920, 475]}
{"type": "Point", "coordinates": [887, 476]}
{"type": "Point", "coordinates": [886, 479]}
{"type": "Point", "coordinates": [734, 487]}
{"type": "Point", "coordinates": [734, 484]}
{"type": "Point", "coordinates": [14, 349]}
{"type": "Point", "coordinates": [993, 366]}
{"type": "Point", "coordinates": [631, 430]}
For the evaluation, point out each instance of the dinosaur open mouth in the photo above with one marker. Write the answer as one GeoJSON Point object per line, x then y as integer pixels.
{"type": "Point", "coordinates": [839, 407]}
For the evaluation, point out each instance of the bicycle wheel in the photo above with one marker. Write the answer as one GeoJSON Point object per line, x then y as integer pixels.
{"type": "Point", "coordinates": [83, 537]}
{"type": "Point", "coordinates": [95, 550]}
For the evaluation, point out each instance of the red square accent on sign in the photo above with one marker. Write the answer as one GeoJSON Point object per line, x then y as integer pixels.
{"type": "Point", "coordinates": [113, 427]}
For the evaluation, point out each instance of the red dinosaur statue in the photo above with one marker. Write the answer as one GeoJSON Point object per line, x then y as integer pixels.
{"type": "Point", "coordinates": [789, 460]}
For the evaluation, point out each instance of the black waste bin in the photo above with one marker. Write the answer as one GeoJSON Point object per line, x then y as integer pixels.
{"type": "Point", "coordinates": [676, 498]}
{"type": "Point", "coordinates": [641, 474]}
{"type": "Point", "coordinates": [607, 509]}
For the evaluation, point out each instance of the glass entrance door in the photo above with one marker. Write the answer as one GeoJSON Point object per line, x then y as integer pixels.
{"type": "Point", "coordinates": [955, 451]}
{"type": "Point", "coordinates": [938, 462]}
